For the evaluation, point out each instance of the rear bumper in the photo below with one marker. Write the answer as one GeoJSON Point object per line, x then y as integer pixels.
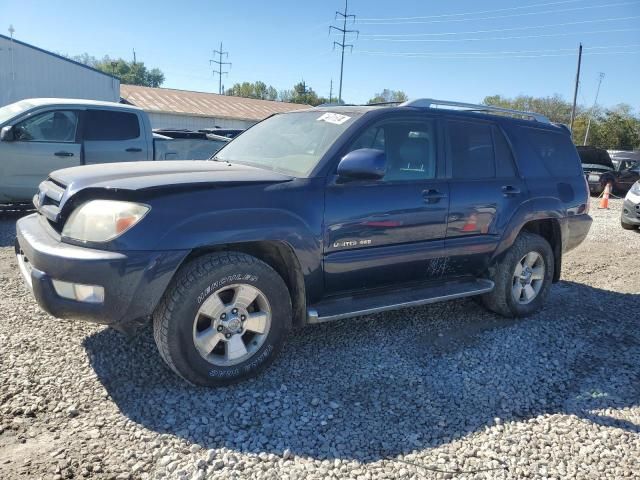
{"type": "Point", "coordinates": [577, 229]}
{"type": "Point", "coordinates": [133, 281]}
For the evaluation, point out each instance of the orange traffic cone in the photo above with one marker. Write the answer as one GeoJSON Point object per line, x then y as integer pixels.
{"type": "Point", "coordinates": [604, 203]}
{"type": "Point", "coordinates": [472, 224]}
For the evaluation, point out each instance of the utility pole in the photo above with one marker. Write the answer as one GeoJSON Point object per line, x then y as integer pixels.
{"type": "Point", "coordinates": [595, 102]}
{"type": "Point", "coordinates": [13, 69]}
{"type": "Point", "coordinates": [575, 92]}
{"type": "Point", "coordinates": [343, 45]}
{"type": "Point", "coordinates": [134, 56]}
{"type": "Point", "coordinates": [220, 63]}
{"type": "Point", "coordinates": [330, 90]}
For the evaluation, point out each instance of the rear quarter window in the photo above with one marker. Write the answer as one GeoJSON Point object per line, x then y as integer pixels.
{"type": "Point", "coordinates": [110, 125]}
{"type": "Point", "coordinates": [548, 153]}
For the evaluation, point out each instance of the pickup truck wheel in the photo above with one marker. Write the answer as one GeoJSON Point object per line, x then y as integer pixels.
{"type": "Point", "coordinates": [522, 277]}
{"type": "Point", "coordinates": [224, 318]}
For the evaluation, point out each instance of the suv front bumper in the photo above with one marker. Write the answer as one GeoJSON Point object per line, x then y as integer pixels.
{"type": "Point", "coordinates": [631, 209]}
{"type": "Point", "coordinates": [133, 281]}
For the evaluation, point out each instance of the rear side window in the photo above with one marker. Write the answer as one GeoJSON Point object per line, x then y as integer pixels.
{"type": "Point", "coordinates": [471, 150]}
{"type": "Point", "coordinates": [553, 151]}
{"type": "Point", "coordinates": [505, 166]}
{"type": "Point", "coordinates": [110, 125]}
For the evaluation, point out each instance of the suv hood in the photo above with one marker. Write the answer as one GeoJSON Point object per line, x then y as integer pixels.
{"type": "Point", "coordinates": [160, 174]}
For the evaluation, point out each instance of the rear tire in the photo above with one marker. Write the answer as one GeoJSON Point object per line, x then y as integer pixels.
{"type": "Point", "coordinates": [224, 318]}
{"type": "Point", "coordinates": [522, 277]}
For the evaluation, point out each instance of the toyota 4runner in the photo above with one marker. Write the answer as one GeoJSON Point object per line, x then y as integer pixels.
{"type": "Point", "coordinates": [310, 216]}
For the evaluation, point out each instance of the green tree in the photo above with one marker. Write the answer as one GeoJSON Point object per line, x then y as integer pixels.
{"type": "Point", "coordinates": [387, 96]}
{"type": "Point", "coordinates": [131, 73]}
{"type": "Point", "coordinates": [259, 90]}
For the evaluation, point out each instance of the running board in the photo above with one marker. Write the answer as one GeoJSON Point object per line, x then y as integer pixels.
{"type": "Point", "coordinates": [357, 305]}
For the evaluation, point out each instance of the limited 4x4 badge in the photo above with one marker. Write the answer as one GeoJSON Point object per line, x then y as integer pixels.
{"type": "Point", "coordinates": [352, 243]}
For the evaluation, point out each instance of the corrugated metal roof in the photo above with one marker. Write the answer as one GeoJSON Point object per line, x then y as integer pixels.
{"type": "Point", "coordinates": [185, 102]}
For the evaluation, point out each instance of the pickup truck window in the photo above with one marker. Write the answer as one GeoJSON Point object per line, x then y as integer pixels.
{"type": "Point", "coordinates": [290, 143]}
{"type": "Point", "coordinates": [110, 125]}
{"type": "Point", "coordinates": [53, 126]}
{"type": "Point", "coordinates": [410, 148]}
{"type": "Point", "coordinates": [472, 152]}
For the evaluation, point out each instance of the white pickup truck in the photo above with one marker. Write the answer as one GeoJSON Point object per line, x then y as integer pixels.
{"type": "Point", "coordinates": [40, 135]}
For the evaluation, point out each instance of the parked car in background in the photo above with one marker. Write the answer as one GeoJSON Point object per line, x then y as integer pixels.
{"type": "Point", "coordinates": [40, 135]}
{"type": "Point", "coordinates": [596, 162]}
{"type": "Point", "coordinates": [224, 132]}
{"type": "Point", "coordinates": [188, 148]}
{"type": "Point", "coordinates": [308, 217]}
{"type": "Point", "coordinates": [630, 216]}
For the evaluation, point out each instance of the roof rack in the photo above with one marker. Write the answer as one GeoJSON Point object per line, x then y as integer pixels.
{"type": "Point", "coordinates": [432, 103]}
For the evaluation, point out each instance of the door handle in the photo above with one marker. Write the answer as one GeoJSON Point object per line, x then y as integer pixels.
{"type": "Point", "coordinates": [510, 190]}
{"type": "Point", "coordinates": [133, 149]}
{"type": "Point", "coordinates": [63, 154]}
{"type": "Point", "coordinates": [432, 196]}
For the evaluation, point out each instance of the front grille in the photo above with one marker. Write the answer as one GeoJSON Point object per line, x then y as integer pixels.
{"type": "Point", "coordinates": [47, 201]}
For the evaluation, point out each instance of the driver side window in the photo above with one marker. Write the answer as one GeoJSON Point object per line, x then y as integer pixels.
{"type": "Point", "coordinates": [54, 126]}
{"type": "Point", "coordinates": [409, 147]}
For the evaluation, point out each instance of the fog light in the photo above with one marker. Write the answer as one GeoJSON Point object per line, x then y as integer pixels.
{"type": "Point", "coordinates": [79, 292]}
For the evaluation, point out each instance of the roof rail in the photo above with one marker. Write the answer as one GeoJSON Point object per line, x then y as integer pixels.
{"type": "Point", "coordinates": [432, 103]}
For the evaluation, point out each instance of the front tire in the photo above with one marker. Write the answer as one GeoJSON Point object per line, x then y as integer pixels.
{"type": "Point", "coordinates": [522, 277]}
{"type": "Point", "coordinates": [224, 318]}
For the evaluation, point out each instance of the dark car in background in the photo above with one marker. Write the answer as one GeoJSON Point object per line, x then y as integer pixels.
{"type": "Point", "coordinates": [620, 168]}
{"type": "Point", "coordinates": [223, 132]}
{"type": "Point", "coordinates": [597, 167]}
{"type": "Point", "coordinates": [178, 144]}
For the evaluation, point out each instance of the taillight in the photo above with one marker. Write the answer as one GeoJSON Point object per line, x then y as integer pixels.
{"type": "Point", "coordinates": [587, 204]}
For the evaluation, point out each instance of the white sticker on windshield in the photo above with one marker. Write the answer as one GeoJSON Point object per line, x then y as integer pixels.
{"type": "Point", "coordinates": [334, 118]}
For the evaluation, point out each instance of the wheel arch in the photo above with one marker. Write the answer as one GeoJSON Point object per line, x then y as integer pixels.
{"type": "Point", "coordinates": [278, 255]}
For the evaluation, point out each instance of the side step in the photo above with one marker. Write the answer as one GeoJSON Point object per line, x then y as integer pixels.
{"type": "Point", "coordinates": [356, 305]}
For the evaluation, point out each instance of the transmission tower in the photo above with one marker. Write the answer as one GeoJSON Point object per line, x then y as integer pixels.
{"type": "Point", "coordinates": [220, 64]}
{"type": "Point", "coordinates": [344, 16]}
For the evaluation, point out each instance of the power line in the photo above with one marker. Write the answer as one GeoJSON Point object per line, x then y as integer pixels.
{"type": "Point", "coordinates": [220, 63]}
{"type": "Point", "coordinates": [507, 52]}
{"type": "Point", "coordinates": [542, 12]}
{"type": "Point", "coordinates": [476, 12]}
{"type": "Point", "coordinates": [389, 36]}
{"type": "Point", "coordinates": [517, 37]}
{"type": "Point", "coordinates": [485, 57]}
{"type": "Point", "coordinates": [343, 45]}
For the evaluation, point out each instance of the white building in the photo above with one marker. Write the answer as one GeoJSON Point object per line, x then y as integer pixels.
{"type": "Point", "coordinates": [28, 72]}
{"type": "Point", "coordinates": [170, 108]}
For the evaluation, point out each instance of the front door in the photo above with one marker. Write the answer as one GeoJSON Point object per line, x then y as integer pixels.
{"type": "Point", "coordinates": [42, 143]}
{"type": "Point", "coordinates": [389, 231]}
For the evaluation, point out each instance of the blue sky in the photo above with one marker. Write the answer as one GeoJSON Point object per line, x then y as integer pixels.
{"type": "Point", "coordinates": [460, 49]}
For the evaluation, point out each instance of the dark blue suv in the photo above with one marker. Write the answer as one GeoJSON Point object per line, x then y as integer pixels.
{"type": "Point", "coordinates": [308, 217]}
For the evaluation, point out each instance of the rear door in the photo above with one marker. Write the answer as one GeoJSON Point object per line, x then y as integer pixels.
{"type": "Point", "coordinates": [485, 188]}
{"type": "Point", "coordinates": [389, 231]}
{"type": "Point", "coordinates": [113, 136]}
{"type": "Point", "coordinates": [44, 142]}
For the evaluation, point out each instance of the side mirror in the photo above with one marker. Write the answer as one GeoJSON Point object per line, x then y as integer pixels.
{"type": "Point", "coordinates": [363, 164]}
{"type": "Point", "coordinates": [6, 134]}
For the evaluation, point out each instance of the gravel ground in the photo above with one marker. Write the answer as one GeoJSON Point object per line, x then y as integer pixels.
{"type": "Point", "coordinates": [442, 391]}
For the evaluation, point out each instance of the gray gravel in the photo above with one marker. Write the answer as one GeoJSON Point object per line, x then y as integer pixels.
{"type": "Point", "coordinates": [441, 391]}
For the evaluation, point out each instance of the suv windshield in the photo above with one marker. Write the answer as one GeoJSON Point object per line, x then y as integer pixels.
{"type": "Point", "coordinates": [14, 109]}
{"type": "Point", "coordinates": [290, 143]}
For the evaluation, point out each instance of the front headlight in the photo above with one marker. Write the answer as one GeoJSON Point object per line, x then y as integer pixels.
{"type": "Point", "coordinates": [103, 220]}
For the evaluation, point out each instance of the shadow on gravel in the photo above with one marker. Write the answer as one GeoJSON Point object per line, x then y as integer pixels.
{"type": "Point", "coordinates": [379, 386]}
{"type": "Point", "coordinates": [8, 227]}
